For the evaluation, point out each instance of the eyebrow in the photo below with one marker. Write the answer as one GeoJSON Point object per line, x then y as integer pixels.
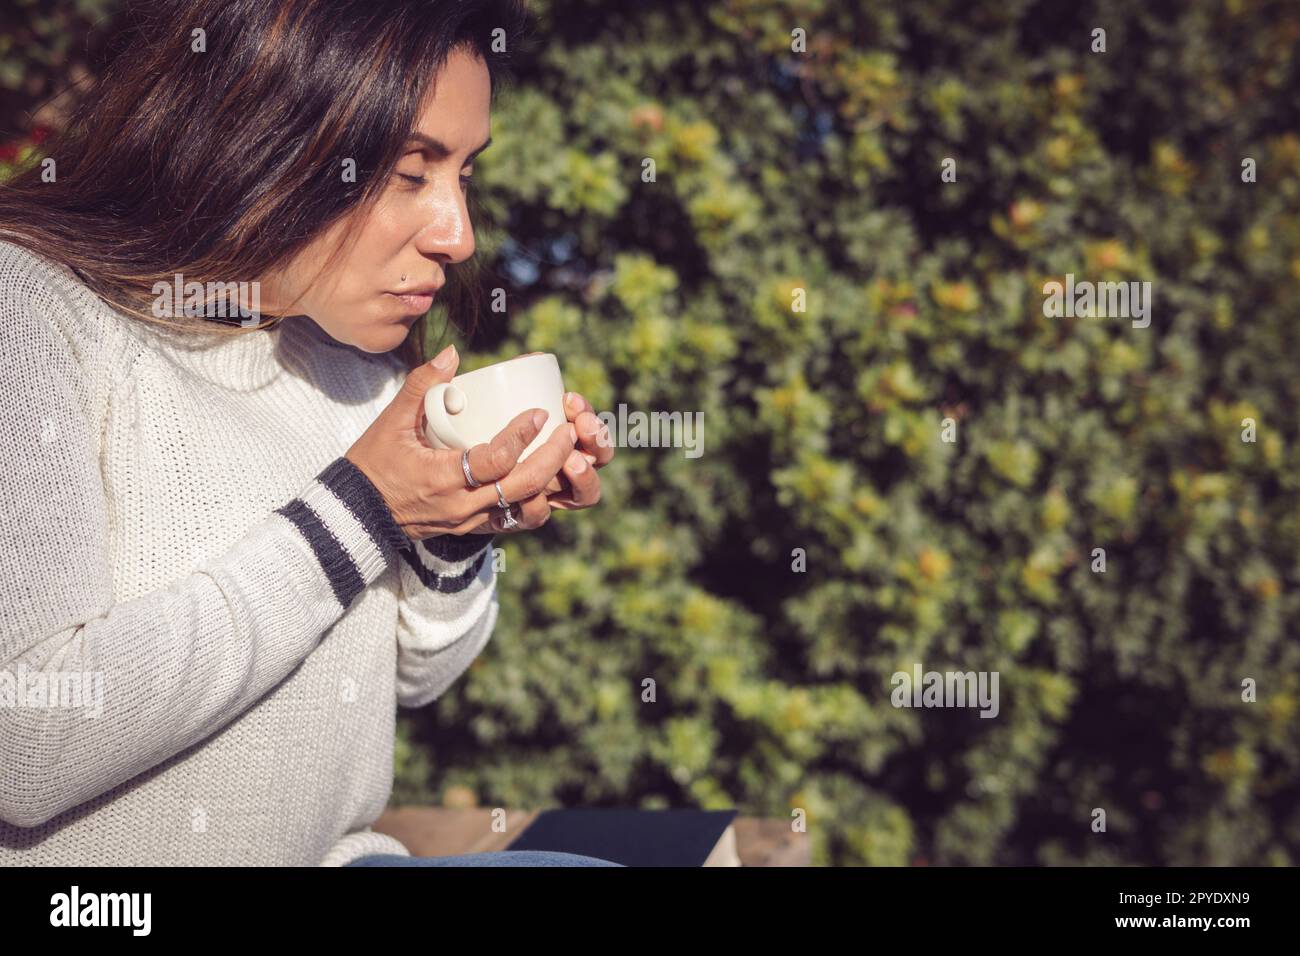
{"type": "Point", "coordinates": [440, 149]}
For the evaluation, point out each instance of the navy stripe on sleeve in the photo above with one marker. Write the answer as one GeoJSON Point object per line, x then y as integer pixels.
{"type": "Point", "coordinates": [344, 577]}
{"type": "Point", "coordinates": [448, 583]}
{"type": "Point", "coordinates": [451, 547]}
{"type": "Point", "coordinates": [351, 486]}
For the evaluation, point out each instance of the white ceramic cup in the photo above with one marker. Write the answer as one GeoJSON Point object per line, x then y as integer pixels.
{"type": "Point", "coordinates": [472, 408]}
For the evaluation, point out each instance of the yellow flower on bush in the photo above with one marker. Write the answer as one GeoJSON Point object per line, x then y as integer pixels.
{"type": "Point", "coordinates": [564, 582]}
{"type": "Point", "coordinates": [588, 183]}
{"type": "Point", "coordinates": [1227, 765]}
{"type": "Point", "coordinates": [868, 503]}
{"type": "Point", "coordinates": [1116, 498]}
{"type": "Point", "coordinates": [1016, 461]}
{"type": "Point", "coordinates": [1210, 487]}
{"type": "Point", "coordinates": [711, 341]}
{"type": "Point", "coordinates": [550, 322]}
{"type": "Point", "coordinates": [1016, 628]}
{"type": "Point", "coordinates": [1266, 588]}
{"type": "Point", "coordinates": [794, 408]}
{"type": "Point", "coordinates": [1059, 151]}
{"type": "Point", "coordinates": [694, 142]}
{"type": "Point", "coordinates": [1067, 88]}
{"type": "Point", "coordinates": [588, 378]}
{"type": "Point", "coordinates": [650, 337]}
{"type": "Point", "coordinates": [1107, 256]}
{"type": "Point", "coordinates": [647, 554]}
{"type": "Point", "coordinates": [957, 296]}
{"type": "Point", "coordinates": [1121, 358]}
{"type": "Point", "coordinates": [1026, 212]}
{"type": "Point", "coordinates": [899, 380]}
{"type": "Point", "coordinates": [611, 699]}
{"type": "Point", "coordinates": [934, 564]}
{"type": "Point", "coordinates": [719, 205]}
{"type": "Point", "coordinates": [702, 614]}
{"type": "Point", "coordinates": [640, 283]}
{"type": "Point", "coordinates": [796, 709]}
{"type": "Point", "coordinates": [1173, 171]}
{"type": "Point", "coordinates": [867, 150]}
{"type": "Point", "coordinates": [1286, 151]}
{"type": "Point", "coordinates": [1281, 708]}
{"type": "Point", "coordinates": [1039, 574]}
{"type": "Point", "coordinates": [723, 675]}
{"type": "Point", "coordinates": [1055, 511]}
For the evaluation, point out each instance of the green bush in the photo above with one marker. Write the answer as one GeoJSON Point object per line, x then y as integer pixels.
{"type": "Point", "coordinates": [778, 171]}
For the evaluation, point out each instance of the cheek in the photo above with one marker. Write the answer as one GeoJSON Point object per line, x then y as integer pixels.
{"type": "Point", "coordinates": [372, 265]}
{"type": "Point", "coordinates": [348, 300]}
{"type": "Point", "coordinates": [390, 225]}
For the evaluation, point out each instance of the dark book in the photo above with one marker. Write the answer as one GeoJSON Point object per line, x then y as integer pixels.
{"type": "Point", "coordinates": [636, 837]}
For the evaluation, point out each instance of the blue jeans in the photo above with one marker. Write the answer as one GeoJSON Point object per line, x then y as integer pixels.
{"type": "Point", "coordinates": [499, 858]}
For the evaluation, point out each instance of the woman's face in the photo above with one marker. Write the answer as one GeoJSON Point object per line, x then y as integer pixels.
{"type": "Point", "coordinates": [418, 228]}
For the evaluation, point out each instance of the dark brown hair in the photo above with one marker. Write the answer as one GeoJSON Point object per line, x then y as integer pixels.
{"type": "Point", "coordinates": [224, 164]}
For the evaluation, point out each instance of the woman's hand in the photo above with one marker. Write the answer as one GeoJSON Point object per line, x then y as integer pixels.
{"type": "Point", "coordinates": [425, 488]}
{"type": "Point", "coordinates": [594, 450]}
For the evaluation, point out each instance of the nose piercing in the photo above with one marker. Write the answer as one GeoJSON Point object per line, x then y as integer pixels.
{"type": "Point", "coordinates": [403, 276]}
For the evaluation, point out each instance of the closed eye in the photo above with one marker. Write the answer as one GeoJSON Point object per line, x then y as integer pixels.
{"type": "Point", "coordinates": [421, 180]}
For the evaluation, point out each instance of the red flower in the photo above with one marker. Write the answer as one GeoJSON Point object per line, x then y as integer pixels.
{"type": "Point", "coordinates": [40, 134]}
{"type": "Point", "coordinates": [8, 152]}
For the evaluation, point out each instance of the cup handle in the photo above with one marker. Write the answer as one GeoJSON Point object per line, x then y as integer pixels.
{"type": "Point", "coordinates": [436, 402]}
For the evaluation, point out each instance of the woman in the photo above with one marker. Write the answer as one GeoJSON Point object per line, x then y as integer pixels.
{"type": "Point", "coordinates": [229, 554]}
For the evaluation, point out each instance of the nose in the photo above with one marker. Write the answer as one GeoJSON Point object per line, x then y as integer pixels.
{"type": "Point", "coordinates": [448, 231]}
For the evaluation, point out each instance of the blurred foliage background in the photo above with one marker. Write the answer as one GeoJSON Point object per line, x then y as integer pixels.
{"type": "Point", "coordinates": [778, 171]}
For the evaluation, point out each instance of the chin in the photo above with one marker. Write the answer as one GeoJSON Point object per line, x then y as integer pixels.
{"type": "Point", "coordinates": [382, 338]}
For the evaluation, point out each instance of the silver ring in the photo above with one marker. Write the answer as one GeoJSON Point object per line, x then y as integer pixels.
{"type": "Point", "coordinates": [464, 466]}
{"type": "Point", "coordinates": [507, 519]}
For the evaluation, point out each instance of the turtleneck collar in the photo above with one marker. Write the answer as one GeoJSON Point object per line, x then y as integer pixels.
{"type": "Point", "coordinates": [240, 361]}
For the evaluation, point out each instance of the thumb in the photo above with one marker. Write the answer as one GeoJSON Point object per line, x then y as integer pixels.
{"type": "Point", "coordinates": [409, 402]}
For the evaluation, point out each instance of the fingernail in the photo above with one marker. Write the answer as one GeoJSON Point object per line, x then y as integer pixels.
{"type": "Point", "coordinates": [444, 358]}
{"type": "Point", "coordinates": [579, 466]}
{"type": "Point", "coordinates": [573, 432]}
{"type": "Point", "coordinates": [568, 398]}
{"type": "Point", "coordinates": [591, 459]}
{"type": "Point", "coordinates": [539, 417]}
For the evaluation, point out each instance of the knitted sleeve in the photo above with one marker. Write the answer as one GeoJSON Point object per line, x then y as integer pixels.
{"type": "Point", "coordinates": [447, 604]}
{"type": "Point", "coordinates": [174, 665]}
{"type": "Point", "coordinates": [446, 611]}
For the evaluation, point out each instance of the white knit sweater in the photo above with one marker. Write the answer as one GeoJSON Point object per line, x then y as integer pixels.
{"type": "Point", "coordinates": [180, 530]}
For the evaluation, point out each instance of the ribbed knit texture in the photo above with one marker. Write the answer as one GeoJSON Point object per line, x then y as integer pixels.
{"type": "Point", "coordinates": [178, 521]}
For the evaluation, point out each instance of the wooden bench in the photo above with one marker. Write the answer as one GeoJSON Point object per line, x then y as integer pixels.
{"type": "Point", "coordinates": [442, 831]}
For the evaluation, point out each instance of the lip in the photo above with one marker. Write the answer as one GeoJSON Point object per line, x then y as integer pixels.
{"type": "Point", "coordinates": [429, 288]}
{"type": "Point", "coordinates": [419, 300]}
